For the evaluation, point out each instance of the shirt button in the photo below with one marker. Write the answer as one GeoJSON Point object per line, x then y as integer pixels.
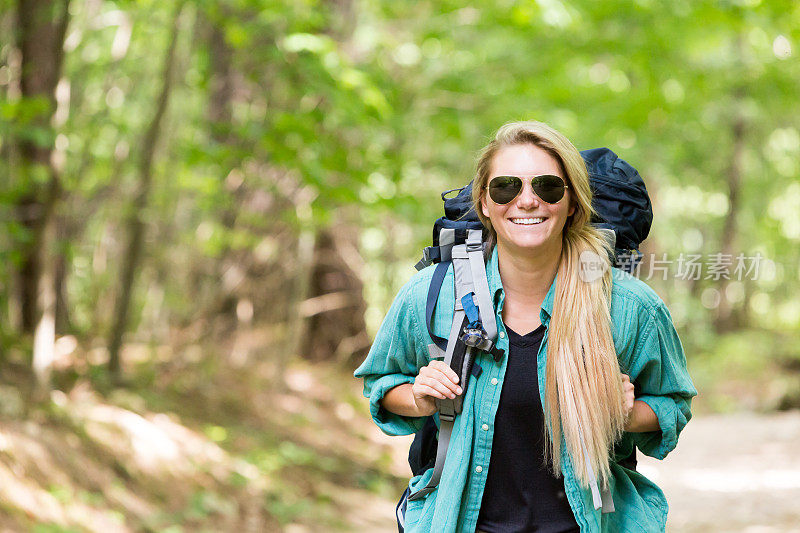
{"type": "Point", "coordinates": [502, 334]}
{"type": "Point", "coordinates": [494, 381]}
{"type": "Point", "coordinates": [479, 469]}
{"type": "Point", "coordinates": [485, 427]}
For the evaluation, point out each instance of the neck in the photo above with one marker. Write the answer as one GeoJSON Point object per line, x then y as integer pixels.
{"type": "Point", "coordinates": [527, 275]}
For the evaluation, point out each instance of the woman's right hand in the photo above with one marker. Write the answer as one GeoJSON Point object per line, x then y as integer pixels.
{"type": "Point", "coordinates": [436, 380]}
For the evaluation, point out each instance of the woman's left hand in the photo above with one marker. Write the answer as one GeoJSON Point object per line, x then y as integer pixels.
{"type": "Point", "coordinates": [627, 388]}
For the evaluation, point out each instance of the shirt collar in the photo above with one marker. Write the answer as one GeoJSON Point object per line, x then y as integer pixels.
{"type": "Point", "coordinates": [496, 286]}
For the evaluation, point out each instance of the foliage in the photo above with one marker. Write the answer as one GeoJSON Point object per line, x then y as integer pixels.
{"type": "Point", "coordinates": [288, 118]}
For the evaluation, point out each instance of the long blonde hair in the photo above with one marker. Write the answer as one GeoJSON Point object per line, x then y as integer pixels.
{"type": "Point", "coordinates": [583, 392]}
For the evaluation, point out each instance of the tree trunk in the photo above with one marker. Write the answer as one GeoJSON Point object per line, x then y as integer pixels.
{"type": "Point", "coordinates": [220, 114]}
{"type": "Point", "coordinates": [135, 224]}
{"type": "Point", "coordinates": [45, 333]}
{"type": "Point", "coordinates": [303, 265]}
{"type": "Point", "coordinates": [335, 306]}
{"type": "Point", "coordinates": [726, 319]}
{"type": "Point", "coordinates": [221, 82]}
{"type": "Point", "coordinates": [330, 320]}
{"type": "Point", "coordinates": [42, 27]}
{"type": "Point", "coordinates": [62, 261]}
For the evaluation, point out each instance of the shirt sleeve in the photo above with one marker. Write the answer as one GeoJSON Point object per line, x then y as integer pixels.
{"type": "Point", "coordinates": [395, 358]}
{"type": "Point", "coordinates": [658, 368]}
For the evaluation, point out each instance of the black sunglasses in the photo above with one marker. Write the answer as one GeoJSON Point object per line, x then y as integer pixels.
{"type": "Point", "coordinates": [503, 189]}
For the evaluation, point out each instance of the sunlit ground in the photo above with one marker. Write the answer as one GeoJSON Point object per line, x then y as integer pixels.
{"type": "Point", "coordinates": [737, 472]}
{"type": "Point", "coordinates": [221, 451]}
{"type": "Point", "coordinates": [226, 452]}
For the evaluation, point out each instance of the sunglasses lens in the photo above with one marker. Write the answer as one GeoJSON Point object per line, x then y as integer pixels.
{"type": "Point", "coordinates": [503, 189]}
{"type": "Point", "coordinates": [549, 188]}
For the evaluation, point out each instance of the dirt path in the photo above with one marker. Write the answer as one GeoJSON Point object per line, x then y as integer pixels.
{"type": "Point", "coordinates": [733, 473]}
{"type": "Point", "coordinates": [730, 473]}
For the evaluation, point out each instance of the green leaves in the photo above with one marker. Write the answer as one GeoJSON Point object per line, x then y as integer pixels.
{"type": "Point", "coordinates": [368, 112]}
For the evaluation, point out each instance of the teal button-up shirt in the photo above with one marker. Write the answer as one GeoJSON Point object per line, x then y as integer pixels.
{"type": "Point", "coordinates": [648, 349]}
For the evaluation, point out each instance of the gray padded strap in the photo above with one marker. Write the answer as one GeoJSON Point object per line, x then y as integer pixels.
{"type": "Point", "coordinates": [449, 408]}
{"type": "Point", "coordinates": [447, 236]}
{"type": "Point", "coordinates": [445, 430]}
{"type": "Point", "coordinates": [608, 500]}
{"type": "Point", "coordinates": [435, 352]}
{"type": "Point", "coordinates": [463, 273]}
{"type": "Point", "coordinates": [480, 283]}
{"type": "Point", "coordinates": [463, 286]}
{"type": "Point", "coordinates": [447, 413]}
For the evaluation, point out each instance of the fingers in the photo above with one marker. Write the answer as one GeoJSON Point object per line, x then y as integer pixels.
{"type": "Point", "coordinates": [436, 390]}
{"type": "Point", "coordinates": [437, 380]}
{"type": "Point", "coordinates": [424, 384]}
{"type": "Point", "coordinates": [628, 391]}
{"type": "Point", "coordinates": [441, 372]}
{"type": "Point", "coordinates": [441, 366]}
{"type": "Point", "coordinates": [626, 383]}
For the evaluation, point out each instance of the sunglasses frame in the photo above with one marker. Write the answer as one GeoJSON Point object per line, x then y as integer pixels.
{"type": "Point", "coordinates": [523, 186]}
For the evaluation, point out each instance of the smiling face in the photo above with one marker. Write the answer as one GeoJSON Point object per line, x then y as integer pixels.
{"type": "Point", "coordinates": [512, 221]}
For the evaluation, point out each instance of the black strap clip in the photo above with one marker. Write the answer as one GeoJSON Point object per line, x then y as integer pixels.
{"type": "Point", "coordinates": [497, 353]}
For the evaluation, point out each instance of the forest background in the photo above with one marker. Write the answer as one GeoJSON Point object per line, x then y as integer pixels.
{"type": "Point", "coordinates": [207, 207]}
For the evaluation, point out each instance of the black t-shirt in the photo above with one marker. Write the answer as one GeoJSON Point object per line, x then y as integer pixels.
{"type": "Point", "coordinates": [521, 494]}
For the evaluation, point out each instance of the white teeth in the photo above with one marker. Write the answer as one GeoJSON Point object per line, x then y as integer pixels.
{"type": "Point", "coordinates": [527, 221]}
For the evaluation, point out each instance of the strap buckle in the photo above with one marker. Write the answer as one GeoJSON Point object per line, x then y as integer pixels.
{"type": "Point", "coordinates": [476, 338]}
{"type": "Point", "coordinates": [474, 246]}
{"type": "Point", "coordinates": [426, 260]}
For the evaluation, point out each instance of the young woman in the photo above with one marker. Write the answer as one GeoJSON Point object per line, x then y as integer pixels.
{"type": "Point", "coordinates": [556, 413]}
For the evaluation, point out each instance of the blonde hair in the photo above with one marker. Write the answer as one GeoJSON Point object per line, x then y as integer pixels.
{"type": "Point", "coordinates": [583, 392]}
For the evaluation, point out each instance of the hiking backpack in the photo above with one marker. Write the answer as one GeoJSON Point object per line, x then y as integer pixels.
{"type": "Point", "coordinates": [623, 214]}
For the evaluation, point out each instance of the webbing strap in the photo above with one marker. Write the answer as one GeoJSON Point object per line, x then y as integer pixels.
{"type": "Point", "coordinates": [470, 279]}
{"type": "Point", "coordinates": [608, 500]}
{"type": "Point", "coordinates": [451, 407]}
{"type": "Point", "coordinates": [446, 421]}
{"type": "Point", "coordinates": [602, 501]}
{"type": "Point", "coordinates": [445, 430]}
{"type": "Point", "coordinates": [480, 283]}
{"type": "Point", "coordinates": [468, 303]}
{"type": "Point", "coordinates": [400, 510]}
{"type": "Point", "coordinates": [476, 370]}
{"type": "Point", "coordinates": [430, 305]}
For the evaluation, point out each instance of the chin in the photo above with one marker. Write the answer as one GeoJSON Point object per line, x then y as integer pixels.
{"type": "Point", "coordinates": [529, 243]}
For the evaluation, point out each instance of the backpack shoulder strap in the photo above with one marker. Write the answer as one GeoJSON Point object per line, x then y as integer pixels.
{"type": "Point", "coordinates": [430, 305]}
{"type": "Point", "coordinates": [470, 282]}
{"type": "Point", "coordinates": [480, 283]}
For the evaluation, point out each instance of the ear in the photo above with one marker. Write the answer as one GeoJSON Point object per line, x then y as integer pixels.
{"type": "Point", "coordinates": [572, 208]}
{"type": "Point", "coordinates": [484, 206]}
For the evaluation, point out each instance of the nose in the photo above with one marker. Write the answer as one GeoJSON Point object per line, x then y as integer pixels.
{"type": "Point", "coordinates": [527, 199]}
